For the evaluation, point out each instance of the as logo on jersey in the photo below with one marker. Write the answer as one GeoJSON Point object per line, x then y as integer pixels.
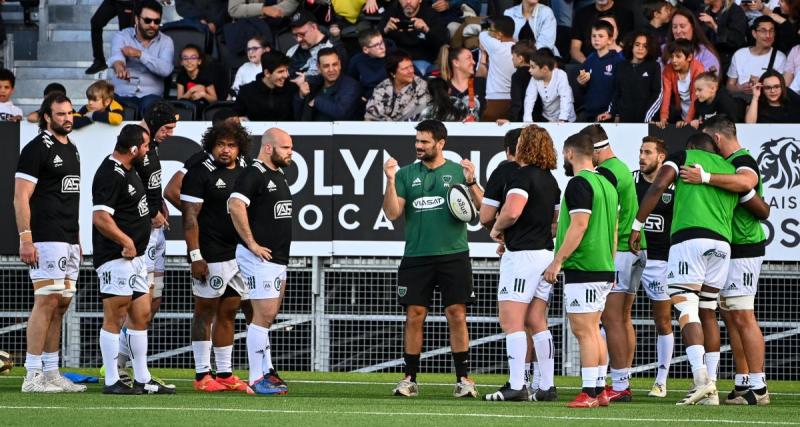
{"type": "Point", "coordinates": [57, 162]}
{"type": "Point", "coordinates": [143, 210]}
{"type": "Point", "coordinates": [71, 184]}
{"type": "Point", "coordinates": [283, 209]}
{"type": "Point", "coordinates": [220, 183]}
{"type": "Point", "coordinates": [271, 186]}
{"type": "Point", "coordinates": [417, 182]}
{"type": "Point", "coordinates": [155, 180]}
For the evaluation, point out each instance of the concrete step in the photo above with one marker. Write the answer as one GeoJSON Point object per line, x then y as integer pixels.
{"type": "Point", "coordinates": [77, 14]}
{"type": "Point", "coordinates": [74, 2]}
{"type": "Point", "coordinates": [56, 74]}
{"type": "Point", "coordinates": [33, 88]}
{"type": "Point", "coordinates": [68, 51]}
{"type": "Point", "coordinates": [83, 35]}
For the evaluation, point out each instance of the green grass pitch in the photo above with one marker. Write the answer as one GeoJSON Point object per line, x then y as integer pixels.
{"type": "Point", "coordinates": [344, 399]}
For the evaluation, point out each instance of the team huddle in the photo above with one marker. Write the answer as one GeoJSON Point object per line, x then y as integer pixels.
{"type": "Point", "coordinates": [685, 225]}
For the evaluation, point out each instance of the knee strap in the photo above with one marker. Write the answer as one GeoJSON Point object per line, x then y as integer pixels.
{"type": "Point", "coordinates": [741, 302]}
{"type": "Point", "coordinates": [708, 300]}
{"type": "Point", "coordinates": [48, 287]}
{"type": "Point", "coordinates": [687, 302]}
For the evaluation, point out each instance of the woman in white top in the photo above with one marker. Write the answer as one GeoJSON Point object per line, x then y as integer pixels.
{"type": "Point", "coordinates": [534, 21]}
{"type": "Point", "coordinates": [247, 73]}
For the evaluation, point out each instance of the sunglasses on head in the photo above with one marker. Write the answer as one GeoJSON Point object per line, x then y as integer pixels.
{"type": "Point", "coordinates": [149, 21]}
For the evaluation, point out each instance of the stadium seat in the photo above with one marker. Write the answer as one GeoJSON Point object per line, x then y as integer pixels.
{"type": "Point", "coordinates": [212, 109]}
{"type": "Point", "coordinates": [186, 109]}
{"type": "Point", "coordinates": [183, 35]}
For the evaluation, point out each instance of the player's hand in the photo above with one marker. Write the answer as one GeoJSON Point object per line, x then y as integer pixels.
{"type": "Point", "coordinates": [469, 170]}
{"type": "Point", "coordinates": [200, 270]}
{"type": "Point", "coordinates": [692, 175]}
{"type": "Point", "coordinates": [497, 235]}
{"type": "Point", "coordinates": [390, 168]}
{"type": "Point", "coordinates": [129, 250]}
{"type": "Point", "coordinates": [551, 273]}
{"type": "Point", "coordinates": [29, 254]}
{"type": "Point", "coordinates": [158, 221]}
{"type": "Point", "coordinates": [501, 249]}
{"type": "Point", "coordinates": [635, 241]}
{"type": "Point", "coordinates": [260, 251]}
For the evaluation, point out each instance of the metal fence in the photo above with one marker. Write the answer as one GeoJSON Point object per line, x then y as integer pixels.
{"type": "Point", "coordinates": [341, 314]}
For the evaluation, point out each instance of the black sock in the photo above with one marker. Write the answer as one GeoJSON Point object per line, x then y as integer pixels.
{"type": "Point", "coordinates": [199, 376]}
{"type": "Point", "coordinates": [591, 391]}
{"type": "Point", "coordinates": [412, 365]}
{"type": "Point", "coordinates": [760, 391]}
{"type": "Point", "coordinates": [461, 364]}
{"type": "Point", "coordinates": [224, 374]}
{"type": "Point", "coordinates": [598, 390]}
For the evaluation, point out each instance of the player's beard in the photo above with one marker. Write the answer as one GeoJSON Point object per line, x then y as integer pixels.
{"type": "Point", "coordinates": [60, 129]}
{"type": "Point", "coordinates": [279, 161]}
{"type": "Point", "coordinates": [568, 169]}
{"type": "Point", "coordinates": [648, 169]}
{"type": "Point", "coordinates": [426, 157]}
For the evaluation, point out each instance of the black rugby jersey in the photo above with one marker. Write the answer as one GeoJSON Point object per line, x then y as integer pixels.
{"type": "Point", "coordinates": [659, 222]}
{"type": "Point", "coordinates": [533, 229]}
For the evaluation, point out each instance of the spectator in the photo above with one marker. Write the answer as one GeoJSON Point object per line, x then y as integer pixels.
{"type": "Point", "coordinates": [8, 111]}
{"type": "Point", "coordinates": [441, 106]}
{"type": "Point", "coordinates": [33, 117]}
{"type": "Point", "coordinates": [270, 96]}
{"type": "Point", "coordinates": [581, 44]}
{"type": "Point", "coordinates": [247, 73]}
{"type": "Point", "coordinates": [225, 116]}
{"type": "Point", "coordinates": [359, 13]}
{"type": "Point", "coordinates": [367, 67]}
{"type": "Point", "coordinates": [551, 85]}
{"type": "Point", "coordinates": [254, 18]}
{"type": "Point", "coordinates": [534, 21]}
{"type": "Point", "coordinates": [787, 21]}
{"type": "Point", "coordinates": [685, 26]}
{"type": "Point", "coordinates": [458, 70]}
{"type": "Point", "coordinates": [452, 12]}
{"type": "Point", "coordinates": [273, 9]}
{"type": "Point", "coordinates": [726, 27]}
{"type": "Point", "coordinates": [195, 82]}
{"type": "Point", "coordinates": [615, 36]}
{"type": "Point", "coordinates": [659, 15]}
{"type": "Point", "coordinates": [712, 100]}
{"type": "Point", "coordinates": [677, 105]}
{"type": "Point", "coordinates": [205, 15]}
{"type": "Point", "coordinates": [776, 104]}
{"type": "Point", "coordinates": [596, 74]}
{"type": "Point", "coordinates": [791, 69]}
{"type": "Point", "coordinates": [749, 63]}
{"type": "Point", "coordinates": [415, 28]}
{"type": "Point", "coordinates": [123, 11]}
{"type": "Point", "coordinates": [402, 96]}
{"type": "Point", "coordinates": [101, 106]}
{"type": "Point", "coordinates": [309, 42]}
{"type": "Point", "coordinates": [496, 47]}
{"type": "Point", "coordinates": [521, 55]}
{"type": "Point", "coordinates": [141, 58]}
{"type": "Point", "coordinates": [637, 83]}
{"type": "Point", "coordinates": [330, 96]}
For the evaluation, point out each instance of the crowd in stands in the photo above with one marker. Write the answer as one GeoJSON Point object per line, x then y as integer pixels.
{"type": "Point", "coordinates": [666, 62]}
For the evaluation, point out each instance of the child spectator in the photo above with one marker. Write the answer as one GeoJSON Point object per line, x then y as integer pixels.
{"type": "Point", "coordinates": [8, 111]}
{"type": "Point", "coordinates": [368, 67]}
{"type": "Point", "coordinates": [247, 73]}
{"type": "Point", "coordinates": [521, 55]}
{"type": "Point", "coordinates": [659, 14]}
{"type": "Point", "coordinates": [712, 100]}
{"type": "Point", "coordinates": [678, 77]}
{"type": "Point", "coordinates": [772, 102]}
{"type": "Point", "coordinates": [615, 35]}
{"type": "Point", "coordinates": [33, 117]}
{"type": "Point", "coordinates": [551, 85]}
{"type": "Point", "coordinates": [101, 106]}
{"type": "Point", "coordinates": [637, 83]}
{"type": "Point", "coordinates": [195, 83]}
{"type": "Point", "coordinates": [496, 47]}
{"type": "Point", "coordinates": [596, 74]}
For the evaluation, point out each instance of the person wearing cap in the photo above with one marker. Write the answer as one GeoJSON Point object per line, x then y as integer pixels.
{"type": "Point", "coordinates": [309, 42]}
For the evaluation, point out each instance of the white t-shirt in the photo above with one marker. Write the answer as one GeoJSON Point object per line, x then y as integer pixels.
{"type": "Point", "coordinates": [744, 64]}
{"type": "Point", "coordinates": [501, 66]}
{"type": "Point", "coordinates": [245, 74]}
{"type": "Point", "coordinates": [9, 110]}
{"type": "Point", "coordinates": [684, 91]}
{"type": "Point", "coordinates": [793, 66]}
{"type": "Point", "coordinates": [557, 102]}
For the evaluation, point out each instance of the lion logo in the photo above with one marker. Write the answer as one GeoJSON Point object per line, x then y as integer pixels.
{"type": "Point", "coordinates": [779, 162]}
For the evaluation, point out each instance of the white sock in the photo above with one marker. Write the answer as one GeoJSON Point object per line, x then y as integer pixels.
{"type": "Point", "coordinates": [109, 347]}
{"type": "Point", "coordinates": [202, 356]}
{"type": "Point", "coordinates": [33, 362]}
{"type": "Point", "coordinates": [741, 380]}
{"type": "Point", "coordinates": [619, 379]}
{"type": "Point", "coordinates": [222, 357]}
{"type": "Point", "coordinates": [664, 347]}
{"type": "Point", "coordinates": [712, 362]}
{"type": "Point", "coordinates": [137, 340]}
{"type": "Point", "coordinates": [257, 351]}
{"type": "Point", "coordinates": [516, 349]}
{"type": "Point", "coordinates": [758, 380]}
{"type": "Point", "coordinates": [695, 355]}
{"type": "Point", "coordinates": [124, 349]}
{"type": "Point", "coordinates": [527, 373]}
{"type": "Point", "coordinates": [602, 373]}
{"type": "Point", "coordinates": [536, 377]}
{"type": "Point", "coordinates": [589, 377]}
{"type": "Point", "coordinates": [543, 342]}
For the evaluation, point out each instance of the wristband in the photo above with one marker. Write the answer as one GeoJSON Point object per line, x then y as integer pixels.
{"type": "Point", "coordinates": [470, 184]}
{"type": "Point", "coordinates": [637, 225]}
{"type": "Point", "coordinates": [705, 176]}
{"type": "Point", "coordinates": [195, 255]}
{"type": "Point", "coordinates": [26, 236]}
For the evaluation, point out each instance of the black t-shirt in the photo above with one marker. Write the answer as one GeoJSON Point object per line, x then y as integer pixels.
{"type": "Point", "coordinates": [586, 17]}
{"type": "Point", "coordinates": [119, 192]}
{"type": "Point", "coordinates": [204, 78]}
{"type": "Point", "coordinates": [150, 173]}
{"type": "Point", "coordinates": [495, 192]}
{"type": "Point", "coordinates": [533, 231]}
{"type": "Point", "coordinates": [194, 159]}
{"type": "Point", "coordinates": [210, 184]}
{"type": "Point", "coordinates": [56, 170]}
{"type": "Point", "coordinates": [578, 195]}
{"type": "Point", "coordinates": [659, 223]}
{"type": "Point", "coordinates": [269, 208]}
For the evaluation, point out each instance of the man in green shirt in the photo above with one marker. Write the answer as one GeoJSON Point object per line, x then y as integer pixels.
{"type": "Point", "coordinates": [585, 245]}
{"type": "Point", "coordinates": [748, 247]}
{"type": "Point", "coordinates": [436, 251]}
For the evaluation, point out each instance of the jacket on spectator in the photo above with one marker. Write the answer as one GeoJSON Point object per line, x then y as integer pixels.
{"type": "Point", "coordinates": [419, 45]}
{"type": "Point", "coordinates": [787, 34]}
{"type": "Point", "coordinates": [388, 105]}
{"type": "Point", "coordinates": [260, 103]}
{"type": "Point", "coordinates": [542, 22]}
{"type": "Point", "coordinates": [252, 8]}
{"type": "Point", "coordinates": [519, 84]}
{"type": "Point", "coordinates": [637, 91]}
{"type": "Point", "coordinates": [305, 61]}
{"type": "Point", "coordinates": [111, 115]}
{"type": "Point", "coordinates": [213, 11]}
{"type": "Point", "coordinates": [731, 31]}
{"type": "Point", "coordinates": [722, 103]}
{"type": "Point", "coordinates": [368, 71]}
{"type": "Point", "coordinates": [600, 88]}
{"type": "Point", "coordinates": [705, 56]}
{"type": "Point", "coordinates": [338, 102]}
{"type": "Point", "coordinates": [671, 98]}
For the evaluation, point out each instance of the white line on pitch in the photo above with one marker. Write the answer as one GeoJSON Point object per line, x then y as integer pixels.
{"type": "Point", "coordinates": [383, 414]}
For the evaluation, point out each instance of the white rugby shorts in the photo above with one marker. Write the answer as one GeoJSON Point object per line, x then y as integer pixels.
{"type": "Point", "coordinates": [629, 268]}
{"type": "Point", "coordinates": [221, 275]}
{"type": "Point", "coordinates": [743, 275]}
{"type": "Point", "coordinates": [264, 279]}
{"type": "Point", "coordinates": [521, 277]}
{"type": "Point", "coordinates": [57, 269]}
{"type": "Point", "coordinates": [589, 297]}
{"type": "Point", "coordinates": [654, 280]}
{"type": "Point", "coordinates": [123, 277]}
{"type": "Point", "coordinates": [155, 255]}
{"type": "Point", "coordinates": [699, 261]}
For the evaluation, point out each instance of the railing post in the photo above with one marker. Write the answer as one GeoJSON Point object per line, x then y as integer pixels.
{"type": "Point", "coordinates": [71, 336]}
{"type": "Point", "coordinates": [320, 347]}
